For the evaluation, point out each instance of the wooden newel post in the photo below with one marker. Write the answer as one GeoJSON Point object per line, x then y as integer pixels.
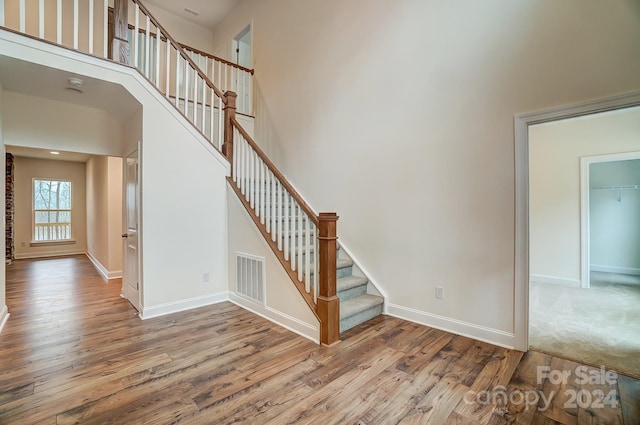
{"type": "Point", "coordinates": [328, 301]}
{"type": "Point", "coordinates": [229, 114]}
{"type": "Point", "coordinates": [120, 45]}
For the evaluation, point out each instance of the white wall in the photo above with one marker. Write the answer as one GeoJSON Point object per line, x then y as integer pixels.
{"type": "Point", "coordinates": [555, 150]}
{"type": "Point", "coordinates": [104, 214]}
{"type": "Point", "coordinates": [36, 122]}
{"type": "Point", "coordinates": [182, 30]}
{"type": "Point", "coordinates": [399, 116]}
{"type": "Point", "coordinates": [25, 170]}
{"type": "Point", "coordinates": [613, 220]}
{"type": "Point", "coordinates": [283, 303]}
{"type": "Point", "coordinates": [182, 235]}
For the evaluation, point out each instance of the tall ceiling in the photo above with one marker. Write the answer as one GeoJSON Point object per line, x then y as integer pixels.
{"type": "Point", "coordinates": [210, 12]}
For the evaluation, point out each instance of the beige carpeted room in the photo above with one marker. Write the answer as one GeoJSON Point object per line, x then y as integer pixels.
{"type": "Point", "coordinates": [584, 292]}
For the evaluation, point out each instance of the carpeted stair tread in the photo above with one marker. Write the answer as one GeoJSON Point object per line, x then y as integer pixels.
{"type": "Point", "coordinates": [359, 304]}
{"type": "Point", "coordinates": [350, 282]}
{"type": "Point", "coordinates": [342, 263]}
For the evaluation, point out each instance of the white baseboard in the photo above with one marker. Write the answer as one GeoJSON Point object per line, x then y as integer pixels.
{"type": "Point", "coordinates": [177, 306]}
{"type": "Point", "coordinates": [539, 278]}
{"type": "Point", "coordinates": [4, 317]}
{"type": "Point", "coordinates": [458, 327]}
{"type": "Point", "coordinates": [47, 254]}
{"type": "Point", "coordinates": [613, 269]}
{"type": "Point", "coordinates": [291, 323]}
{"type": "Point", "coordinates": [116, 274]}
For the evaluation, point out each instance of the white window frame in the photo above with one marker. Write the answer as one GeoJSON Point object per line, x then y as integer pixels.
{"type": "Point", "coordinates": [34, 240]}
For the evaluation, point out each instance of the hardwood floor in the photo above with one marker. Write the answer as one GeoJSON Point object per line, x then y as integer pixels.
{"type": "Point", "coordinates": [73, 351]}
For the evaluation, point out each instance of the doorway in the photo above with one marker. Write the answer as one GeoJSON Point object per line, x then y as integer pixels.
{"type": "Point", "coordinates": [241, 48]}
{"type": "Point", "coordinates": [566, 318]}
{"type": "Point", "coordinates": [610, 206]}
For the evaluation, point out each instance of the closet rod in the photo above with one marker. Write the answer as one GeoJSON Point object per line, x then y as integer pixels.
{"type": "Point", "coordinates": [631, 186]}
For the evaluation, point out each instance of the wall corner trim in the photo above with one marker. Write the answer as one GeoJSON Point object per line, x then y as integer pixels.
{"type": "Point", "coordinates": [114, 274]}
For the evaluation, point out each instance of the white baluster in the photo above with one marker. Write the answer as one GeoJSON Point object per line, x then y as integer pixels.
{"type": "Point", "coordinates": [158, 44]}
{"type": "Point", "coordinates": [75, 24]}
{"type": "Point", "coordinates": [250, 94]}
{"type": "Point", "coordinates": [41, 20]}
{"type": "Point", "coordinates": [91, 27]}
{"type": "Point", "coordinates": [274, 209]}
{"type": "Point", "coordinates": [263, 190]}
{"type": "Point", "coordinates": [105, 28]}
{"type": "Point", "coordinates": [267, 198]}
{"type": "Point", "coordinates": [279, 215]}
{"type": "Point", "coordinates": [316, 274]}
{"type": "Point", "coordinates": [187, 73]}
{"type": "Point", "coordinates": [147, 49]}
{"type": "Point", "coordinates": [178, 72]}
{"type": "Point", "coordinates": [168, 75]}
{"type": "Point", "coordinates": [236, 141]}
{"type": "Point", "coordinates": [294, 220]}
{"type": "Point", "coordinates": [23, 16]}
{"type": "Point", "coordinates": [211, 116]}
{"type": "Point", "coordinates": [301, 216]}
{"type": "Point", "coordinates": [307, 257]}
{"type": "Point", "coordinates": [196, 80]}
{"type": "Point", "coordinates": [258, 184]}
{"type": "Point", "coordinates": [59, 22]}
{"type": "Point", "coordinates": [135, 36]}
{"type": "Point", "coordinates": [204, 108]}
{"type": "Point", "coordinates": [242, 166]}
{"type": "Point", "coordinates": [252, 179]}
{"type": "Point", "coordinates": [220, 126]}
{"type": "Point", "coordinates": [286, 223]}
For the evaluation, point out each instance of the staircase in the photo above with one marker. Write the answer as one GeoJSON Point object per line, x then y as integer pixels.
{"type": "Point", "coordinates": [356, 305]}
{"type": "Point", "coordinates": [303, 241]}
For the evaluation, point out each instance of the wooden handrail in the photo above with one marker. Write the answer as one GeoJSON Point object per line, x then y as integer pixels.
{"type": "Point", "coordinates": [180, 50]}
{"type": "Point", "coordinates": [194, 50]}
{"type": "Point", "coordinates": [283, 181]}
{"type": "Point", "coordinates": [218, 59]}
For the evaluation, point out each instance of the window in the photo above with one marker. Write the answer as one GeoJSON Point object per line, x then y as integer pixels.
{"type": "Point", "coordinates": [51, 210]}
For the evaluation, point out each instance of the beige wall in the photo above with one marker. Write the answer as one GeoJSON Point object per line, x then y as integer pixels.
{"type": "Point", "coordinates": [555, 150]}
{"type": "Point", "coordinates": [26, 169]}
{"type": "Point", "coordinates": [104, 214]}
{"type": "Point", "coordinates": [183, 31]}
{"type": "Point", "coordinates": [399, 116]}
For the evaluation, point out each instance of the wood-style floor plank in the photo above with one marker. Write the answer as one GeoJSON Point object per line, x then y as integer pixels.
{"type": "Point", "coordinates": [75, 352]}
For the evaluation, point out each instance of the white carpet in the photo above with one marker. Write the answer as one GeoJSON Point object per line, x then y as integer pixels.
{"type": "Point", "coordinates": [599, 326]}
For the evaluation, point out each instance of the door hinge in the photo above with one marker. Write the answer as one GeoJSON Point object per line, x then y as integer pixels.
{"type": "Point", "coordinates": [137, 285]}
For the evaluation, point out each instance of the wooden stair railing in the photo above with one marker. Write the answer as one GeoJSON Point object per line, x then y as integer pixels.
{"type": "Point", "coordinates": [294, 232]}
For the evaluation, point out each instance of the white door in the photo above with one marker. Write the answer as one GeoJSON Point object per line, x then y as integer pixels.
{"type": "Point", "coordinates": [131, 281]}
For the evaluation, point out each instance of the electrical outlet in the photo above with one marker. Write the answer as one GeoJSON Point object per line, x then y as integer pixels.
{"type": "Point", "coordinates": [205, 277]}
{"type": "Point", "coordinates": [439, 292]}
{"type": "Point", "coordinates": [24, 244]}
